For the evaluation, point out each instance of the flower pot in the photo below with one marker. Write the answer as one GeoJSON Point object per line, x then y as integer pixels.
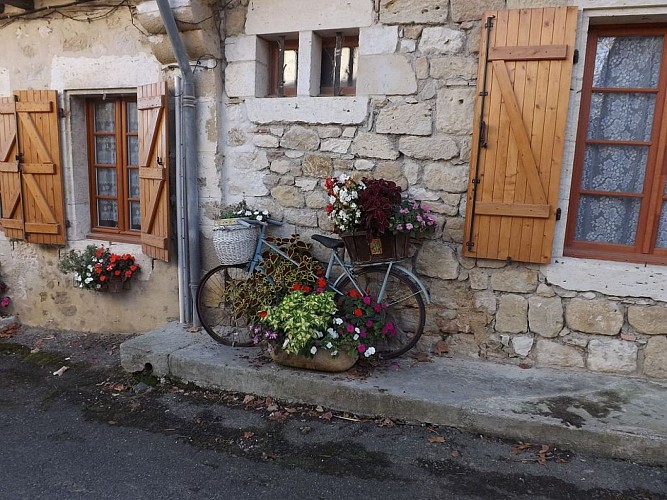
{"type": "Point", "coordinates": [322, 361]}
{"type": "Point", "coordinates": [115, 285]}
{"type": "Point", "coordinates": [382, 248]}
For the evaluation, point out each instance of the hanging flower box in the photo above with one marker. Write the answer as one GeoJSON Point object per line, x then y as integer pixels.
{"type": "Point", "coordinates": [376, 249]}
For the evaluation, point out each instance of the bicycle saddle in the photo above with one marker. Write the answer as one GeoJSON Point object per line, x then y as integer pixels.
{"type": "Point", "coordinates": [328, 242]}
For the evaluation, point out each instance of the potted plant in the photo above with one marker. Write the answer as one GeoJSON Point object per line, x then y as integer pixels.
{"type": "Point", "coordinates": [234, 242]}
{"type": "Point", "coordinates": [97, 268]}
{"type": "Point", "coordinates": [310, 329]}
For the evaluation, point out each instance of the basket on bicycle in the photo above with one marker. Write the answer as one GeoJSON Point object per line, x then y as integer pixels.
{"type": "Point", "coordinates": [377, 249]}
{"type": "Point", "coordinates": [235, 243]}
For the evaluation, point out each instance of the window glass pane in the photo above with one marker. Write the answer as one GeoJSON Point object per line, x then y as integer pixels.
{"type": "Point", "coordinates": [328, 64]}
{"type": "Point", "coordinates": [662, 228]}
{"type": "Point", "coordinates": [290, 69]}
{"type": "Point", "coordinates": [132, 117]}
{"type": "Point", "coordinates": [348, 63]}
{"type": "Point", "coordinates": [105, 117]}
{"type": "Point", "coordinates": [135, 215]}
{"type": "Point", "coordinates": [106, 181]}
{"type": "Point", "coordinates": [614, 168]}
{"type": "Point", "coordinates": [132, 150]}
{"type": "Point", "coordinates": [606, 219]}
{"type": "Point", "coordinates": [133, 182]}
{"type": "Point", "coordinates": [628, 61]}
{"type": "Point", "coordinates": [105, 150]}
{"type": "Point", "coordinates": [621, 117]}
{"type": "Point", "coordinates": [107, 213]}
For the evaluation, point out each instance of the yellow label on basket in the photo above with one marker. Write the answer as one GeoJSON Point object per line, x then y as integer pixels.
{"type": "Point", "coordinates": [376, 246]}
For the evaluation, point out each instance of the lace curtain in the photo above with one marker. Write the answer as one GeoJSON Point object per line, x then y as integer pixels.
{"type": "Point", "coordinates": [621, 62]}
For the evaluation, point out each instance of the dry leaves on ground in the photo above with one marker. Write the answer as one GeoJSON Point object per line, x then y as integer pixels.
{"type": "Point", "coordinates": [542, 453]}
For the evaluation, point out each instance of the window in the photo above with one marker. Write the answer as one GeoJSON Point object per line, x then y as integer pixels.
{"type": "Point", "coordinates": [340, 57]}
{"type": "Point", "coordinates": [113, 158]}
{"type": "Point", "coordinates": [284, 55]}
{"type": "Point", "coordinates": [618, 204]}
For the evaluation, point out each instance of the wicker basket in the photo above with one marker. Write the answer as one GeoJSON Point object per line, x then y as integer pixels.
{"type": "Point", "coordinates": [234, 243]}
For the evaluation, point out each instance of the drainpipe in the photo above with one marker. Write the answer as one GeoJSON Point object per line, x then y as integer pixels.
{"type": "Point", "coordinates": [181, 221]}
{"type": "Point", "coordinates": [190, 146]}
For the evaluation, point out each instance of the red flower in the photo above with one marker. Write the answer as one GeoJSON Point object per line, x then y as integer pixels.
{"type": "Point", "coordinates": [128, 274]}
{"type": "Point", "coordinates": [358, 312]}
{"type": "Point", "coordinates": [134, 267]}
{"type": "Point", "coordinates": [321, 282]}
{"type": "Point", "coordinates": [102, 278]}
{"type": "Point", "coordinates": [263, 314]}
{"type": "Point", "coordinates": [354, 294]}
{"type": "Point", "coordinates": [98, 254]}
{"type": "Point", "coordinates": [296, 287]}
{"type": "Point", "coordinates": [116, 272]}
{"type": "Point", "coordinates": [306, 289]}
{"type": "Point", "coordinates": [329, 208]}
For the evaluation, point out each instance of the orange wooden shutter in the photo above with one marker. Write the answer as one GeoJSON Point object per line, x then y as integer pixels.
{"type": "Point", "coordinates": [152, 102]}
{"type": "Point", "coordinates": [10, 179]}
{"type": "Point", "coordinates": [517, 153]}
{"type": "Point", "coordinates": [31, 172]}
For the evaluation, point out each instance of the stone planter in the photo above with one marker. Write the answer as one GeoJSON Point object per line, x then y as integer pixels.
{"type": "Point", "coordinates": [322, 361]}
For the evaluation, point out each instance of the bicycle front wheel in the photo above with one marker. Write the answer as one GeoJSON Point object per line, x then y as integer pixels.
{"type": "Point", "coordinates": [215, 306]}
{"type": "Point", "coordinates": [404, 302]}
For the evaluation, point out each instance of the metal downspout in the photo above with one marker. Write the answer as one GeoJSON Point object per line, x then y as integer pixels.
{"type": "Point", "coordinates": [190, 145]}
{"type": "Point", "coordinates": [181, 221]}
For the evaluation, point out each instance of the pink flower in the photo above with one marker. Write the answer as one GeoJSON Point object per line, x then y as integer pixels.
{"type": "Point", "coordinates": [350, 328]}
{"type": "Point", "coordinates": [367, 300]}
{"type": "Point", "coordinates": [5, 302]}
{"type": "Point", "coordinates": [377, 308]}
{"type": "Point", "coordinates": [399, 227]}
{"type": "Point", "coordinates": [403, 210]}
{"type": "Point", "coordinates": [361, 348]}
{"type": "Point", "coordinates": [409, 226]}
{"type": "Point", "coordinates": [369, 323]}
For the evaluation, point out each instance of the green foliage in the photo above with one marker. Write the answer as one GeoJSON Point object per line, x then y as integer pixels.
{"type": "Point", "coordinates": [301, 317]}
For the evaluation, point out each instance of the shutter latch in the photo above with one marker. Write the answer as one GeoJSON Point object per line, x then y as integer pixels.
{"type": "Point", "coordinates": [558, 212]}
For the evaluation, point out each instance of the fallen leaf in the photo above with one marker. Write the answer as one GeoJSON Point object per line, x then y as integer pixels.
{"type": "Point", "coordinates": [319, 409]}
{"type": "Point", "coordinates": [272, 408]}
{"type": "Point", "coordinates": [455, 453]}
{"type": "Point", "coordinates": [422, 357]}
{"type": "Point", "coordinates": [387, 422]}
{"type": "Point", "coordinates": [248, 435]}
{"type": "Point", "coordinates": [60, 371]}
{"type": "Point", "coordinates": [194, 329]}
{"type": "Point", "coordinates": [520, 448]}
{"type": "Point", "coordinates": [441, 347]}
{"type": "Point", "coordinates": [327, 416]}
{"type": "Point", "coordinates": [278, 416]}
{"type": "Point", "coordinates": [291, 410]}
{"type": "Point", "coordinates": [248, 399]}
{"type": "Point", "coordinates": [436, 439]}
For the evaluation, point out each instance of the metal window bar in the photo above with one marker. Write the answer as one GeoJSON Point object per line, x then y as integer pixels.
{"type": "Point", "coordinates": [281, 66]}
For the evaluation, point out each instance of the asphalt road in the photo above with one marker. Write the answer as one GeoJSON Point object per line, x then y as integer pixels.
{"type": "Point", "coordinates": [96, 432]}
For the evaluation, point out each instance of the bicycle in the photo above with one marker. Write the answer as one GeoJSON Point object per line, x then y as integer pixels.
{"type": "Point", "coordinates": [387, 282]}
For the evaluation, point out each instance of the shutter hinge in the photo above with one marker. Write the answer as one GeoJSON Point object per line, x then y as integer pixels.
{"type": "Point", "coordinates": [558, 213]}
{"type": "Point", "coordinates": [477, 181]}
{"type": "Point", "coordinates": [575, 56]}
{"type": "Point", "coordinates": [470, 244]}
{"type": "Point", "coordinates": [61, 113]}
{"type": "Point", "coordinates": [19, 158]}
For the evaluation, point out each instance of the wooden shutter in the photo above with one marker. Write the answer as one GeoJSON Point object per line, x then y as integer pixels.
{"type": "Point", "coordinates": [30, 168]}
{"type": "Point", "coordinates": [518, 135]}
{"type": "Point", "coordinates": [152, 102]}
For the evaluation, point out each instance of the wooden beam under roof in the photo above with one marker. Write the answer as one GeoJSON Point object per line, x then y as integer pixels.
{"type": "Point", "coordinates": [21, 4]}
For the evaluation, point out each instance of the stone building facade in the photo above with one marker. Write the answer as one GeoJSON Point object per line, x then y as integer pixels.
{"type": "Point", "coordinates": [410, 121]}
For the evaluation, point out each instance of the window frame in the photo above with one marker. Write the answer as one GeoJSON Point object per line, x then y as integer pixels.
{"type": "Point", "coordinates": [348, 41]}
{"type": "Point", "coordinates": [275, 73]}
{"type": "Point", "coordinates": [122, 232]}
{"type": "Point", "coordinates": [653, 194]}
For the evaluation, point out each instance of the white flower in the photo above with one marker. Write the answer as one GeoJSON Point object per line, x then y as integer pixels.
{"type": "Point", "coordinates": [331, 331]}
{"type": "Point", "coordinates": [313, 350]}
{"type": "Point", "coordinates": [338, 321]}
{"type": "Point", "coordinates": [259, 217]}
{"type": "Point", "coordinates": [265, 212]}
{"type": "Point", "coordinates": [369, 352]}
{"type": "Point", "coordinates": [248, 213]}
{"type": "Point", "coordinates": [88, 280]}
{"type": "Point", "coordinates": [343, 178]}
{"type": "Point", "coordinates": [334, 335]}
{"type": "Point", "coordinates": [319, 335]}
{"type": "Point", "coordinates": [357, 330]}
{"type": "Point", "coordinates": [356, 337]}
{"type": "Point", "coordinates": [334, 353]}
{"type": "Point", "coordinates": [329, 345]}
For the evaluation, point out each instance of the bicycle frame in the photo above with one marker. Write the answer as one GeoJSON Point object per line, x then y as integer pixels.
{"type": "Point", "coordinates": [334, 259]}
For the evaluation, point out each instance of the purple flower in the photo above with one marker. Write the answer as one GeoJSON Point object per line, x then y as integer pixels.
{"type": "Point", "coordinates": [369, 323]}
{"type": "Point", "coordinates": [403, 211]}
{"type": "Point", "coordinates": [350, 328]}
{"type": "Point", "coordinates": [377, 308]}
{"type": "Point", "coordinates": [399, 227]}
{"type": "Point", "coordinates": [367, 300]}
{"type": "Point", "coordinates": [409, 226]}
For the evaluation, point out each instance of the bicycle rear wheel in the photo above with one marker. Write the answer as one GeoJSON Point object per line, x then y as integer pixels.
{"type": "Point", "coordinates": [215, 310]}
{"type": "Point", "coordinates": [405, 306]}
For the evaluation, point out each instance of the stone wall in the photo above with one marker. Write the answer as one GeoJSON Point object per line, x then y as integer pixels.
{"type": "Point", "coordinates": [411, 122]}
